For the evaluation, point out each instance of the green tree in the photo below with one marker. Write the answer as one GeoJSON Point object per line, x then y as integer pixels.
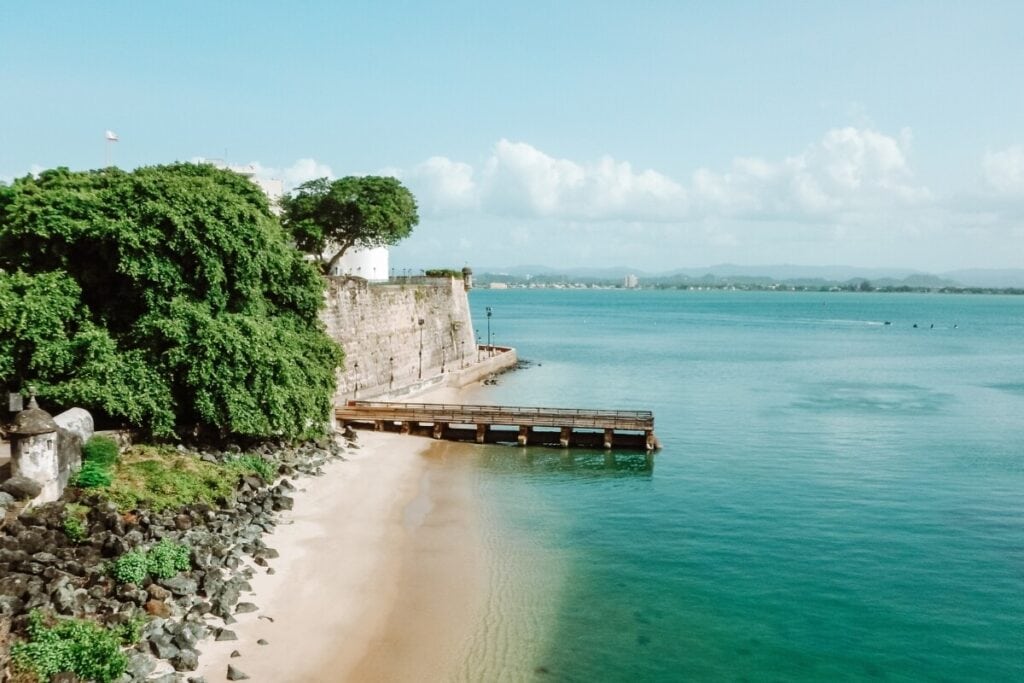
{"type": "Point", "coordinates": [328, 218]}
{"type": "Point", "coordinates": [167, 298]}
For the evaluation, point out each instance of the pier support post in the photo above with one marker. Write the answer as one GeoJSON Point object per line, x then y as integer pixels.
{"type": "Point", "coordinates": [524, 435]}
{"type": "Point", "coordinates": [609, 436]}
{"type": "Point", "coordinates": [378, 425]}
{"type": "Point", "coordinates": [481, 433]}
{"type": "Point", "coordinates": [649, 440]}
{"type": "Point", "coordinates": [439, 429]}
{"type": "Point", "coordinates": [565, 433]}
{"type": "Point", "coordinates": [406, 427]}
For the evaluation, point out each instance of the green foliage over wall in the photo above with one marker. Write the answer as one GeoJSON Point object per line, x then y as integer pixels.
{"type": "Point", "coordinates": [167, 298]}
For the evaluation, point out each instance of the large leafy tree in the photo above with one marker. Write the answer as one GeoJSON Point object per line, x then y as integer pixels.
{"type": "Point", "coordinates": [328, 218]}
{"type": "Point", "coordinates": [168, 298]}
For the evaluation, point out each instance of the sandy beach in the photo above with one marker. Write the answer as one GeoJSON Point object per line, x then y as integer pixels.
{"type": "Point", "coordinates": [378, 579]}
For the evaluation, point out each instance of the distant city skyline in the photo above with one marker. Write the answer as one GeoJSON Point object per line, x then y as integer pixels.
{"type": "Point", "coordinates": [655, 136]}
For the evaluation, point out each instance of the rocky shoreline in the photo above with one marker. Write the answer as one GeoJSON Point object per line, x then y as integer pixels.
{"type": "Point", "coordinates": [42, 567]}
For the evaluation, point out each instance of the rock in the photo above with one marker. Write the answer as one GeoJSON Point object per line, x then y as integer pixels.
{"type": "Point", "coordinates": [196, 679]}
{"type": "Point", "coordinates": [162, 645]}
{"type": "Point", "coordinates": [158, 592]}
{"type": "Point", "coordinates": [181, 585]}
{"type": "Point", "coordinates": [187, 660]}
{"type": "Point", "coordinates": [245, 608]}
{"type": "Point", "coordinates": [226, 634]}
{"type": "Point", "coordinates": [158, 608]}
{"type": "Point", "coordinates": [262, 641]}
{"type": "Point", "coordinates": [235, 653]}
{"type": "Point", "coordinates": [6, 499]}
{"type": "Point", "coordinates": [21, 488]}
{"type": "Point", "coordinates": [140, 665]}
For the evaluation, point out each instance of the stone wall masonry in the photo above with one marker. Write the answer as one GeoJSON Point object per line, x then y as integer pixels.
{"type": "Point", "coordinates": [378, 326]}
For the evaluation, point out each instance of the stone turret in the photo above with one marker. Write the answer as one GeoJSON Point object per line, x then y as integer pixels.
{"type": "Point", "coordinates": [467, 277]}
{"type": "Point", "coordinates": [34, 450]}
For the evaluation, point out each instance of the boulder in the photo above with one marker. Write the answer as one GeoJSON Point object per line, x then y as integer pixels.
{"type": "Point", "coordinates": [21, 488]}
{"type": "Point", "coordinates": [186, 660]}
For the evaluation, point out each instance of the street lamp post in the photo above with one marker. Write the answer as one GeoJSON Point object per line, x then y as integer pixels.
{"type": "Point", "coordinates": [462, 350]}
{"type": "Point", "coordinates": [391, 366]}
{"type": "Point", "coordinates": [355, 394]}
{"type": "Point", "coordinates": [421, 348]}
{"type": "Point", "coordinates": [490, 349]}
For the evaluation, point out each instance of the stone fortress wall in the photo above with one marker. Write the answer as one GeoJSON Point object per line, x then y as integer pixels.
{"type": "Point", "coordinates": [378, 326]}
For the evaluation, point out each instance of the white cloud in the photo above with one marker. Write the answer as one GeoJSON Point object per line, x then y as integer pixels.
{"type": "Point", "coordinates": [1004, 170]}
{"type": "Point", "coordinates": [849, 169]}
{"type": "Point", "coordinates": [299, 172]}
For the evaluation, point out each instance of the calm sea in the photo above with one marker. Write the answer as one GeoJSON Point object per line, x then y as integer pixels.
{"type": "Point", "coordinates": [836, 498]}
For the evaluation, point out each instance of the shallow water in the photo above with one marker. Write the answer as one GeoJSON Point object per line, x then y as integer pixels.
{"type": "Point", "coordinates": [836, 498]}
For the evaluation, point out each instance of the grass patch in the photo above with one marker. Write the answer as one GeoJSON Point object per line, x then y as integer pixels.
{"type": "Point", "coordinates": [99, 455]}
{"type": "Point", "coordinates": [89, 650]}
{"type": "Point", "coordinates": [161, 478]}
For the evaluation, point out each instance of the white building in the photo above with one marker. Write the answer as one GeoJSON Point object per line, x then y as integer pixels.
{"type": "Point", "coordinates": [630, 282]}
{"type": "Point", "coordinates": [370, 264]}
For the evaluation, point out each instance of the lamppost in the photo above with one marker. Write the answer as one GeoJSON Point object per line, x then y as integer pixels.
{"type": "Point", "coordinates": [355, 394]}
{"type": "Point", "coordinates": [391, 366]}
{"type": "Point", "coordinates": [490, 349]}
{"type": "Point", "coordinates": [477, 345]}
{"type": "Point", "coordinates": [421, 348]}
{"type": "Point", "coordinates": [443, 354]}
{"type": "Point", "coordinates": [462, 351]}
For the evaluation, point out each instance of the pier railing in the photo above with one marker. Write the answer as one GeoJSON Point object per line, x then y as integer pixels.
{"type": "Point", "coordinates": [579, 418]}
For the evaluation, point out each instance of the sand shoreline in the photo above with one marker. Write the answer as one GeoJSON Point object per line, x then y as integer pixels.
{"type": "Point", "coordinates": [378, 576]}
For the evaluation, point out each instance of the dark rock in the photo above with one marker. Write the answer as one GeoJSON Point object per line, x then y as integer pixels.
{"type": "Point", "coordinates": [196, 679]}
{"type": "Point", "coordinates": [271, 571]}
{"type": "Point", "coordinates": [6, 499]}
{"type": "Point", "coordinates": [235, 653]}
{"type": "Point", "coordinates": [65, 677]}
{"type": "Point", "coordinates": [262, 641]}
{"type": "Point", "coordinates": [140, 665]}
{"type": "Point", "coordinates": [283, 503]}
{"type": "Point", "coordinates": [158, 592]}
{"type": "Point", "coordinates": [187, 660]}
{"type": "Point", "coordinates": [21, 488]}
{"type": "Point", "coordinates": [245, 608]}
{"type": "Point", "coordinates": [162, 645]}
{"type": "Point", "coordinates": [226, 634]}
{"type": "Point", "coordinates": [166, 678]}
{"type": "Point", "coordinates": [181, 585]}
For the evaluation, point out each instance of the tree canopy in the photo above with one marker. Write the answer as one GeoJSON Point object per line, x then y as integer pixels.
{"type": "Point", "coordinates": [329, 218]}
{"type": "Point", "coordinates": [168, 298]}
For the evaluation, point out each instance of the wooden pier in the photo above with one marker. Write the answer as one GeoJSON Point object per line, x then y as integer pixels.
{"type": "Point", "coordinates": [563, 427]}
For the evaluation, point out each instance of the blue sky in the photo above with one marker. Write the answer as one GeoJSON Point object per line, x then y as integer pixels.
{"type": "Point", "coordinates": [653, 135]}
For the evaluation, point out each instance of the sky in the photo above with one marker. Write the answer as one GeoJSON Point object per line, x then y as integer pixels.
{"type": "Point", "coordinates": [651, 135]}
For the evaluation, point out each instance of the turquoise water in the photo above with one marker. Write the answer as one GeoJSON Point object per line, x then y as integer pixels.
{"type": "Point", "coordinates": [836, 499]}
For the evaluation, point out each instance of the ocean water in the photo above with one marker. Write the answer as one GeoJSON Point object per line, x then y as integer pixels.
{"type": "Point", "coordinates": [835, 498]}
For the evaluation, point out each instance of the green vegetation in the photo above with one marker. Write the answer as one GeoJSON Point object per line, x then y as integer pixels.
{"type": "Point", "coordinates": [254, 464]}
{"type": "Point", "coordinates": [168, 298]}
{"type": "Point", "coordinates": [163, 561]}
{"type": "Point", "coordinates": [76, 521]}
{"type": "Point", "coordinates": [89, 650]}
{"type": "Point", "coordinates": [443, 272]}
{"type": "Point", "coordinates": [160, 478]}
{"type": "Point", "coordinates": [99, 454]}
{"type": "Point", "coordinates": [368, 211]}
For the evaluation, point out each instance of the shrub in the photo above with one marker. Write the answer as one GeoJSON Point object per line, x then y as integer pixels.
{"type": "Point", "coordinates": [92, 475]}
{"type": "Point", "coordinates": [130, 567]}
{"type": "Point", "coordinates": [100, 449]}
{"type": "Point", "coordinates": [167, 558]}
{"type": "Point", "coordinates": [92, 652]}
{"type": "Point", "coordinates": [163, 561]}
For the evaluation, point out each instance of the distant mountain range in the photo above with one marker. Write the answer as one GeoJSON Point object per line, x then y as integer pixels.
{"type": "Point", "coordinates": [793, 274]}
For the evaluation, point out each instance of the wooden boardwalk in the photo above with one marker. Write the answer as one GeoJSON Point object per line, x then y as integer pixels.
{"type": "Point", "coordinates": [563, 427]}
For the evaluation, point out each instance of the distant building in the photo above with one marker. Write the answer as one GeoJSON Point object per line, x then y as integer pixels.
{"type": "Point", "coordinates": [630, 282]}
{"type": "Point", "coordinates": [498, 285]}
